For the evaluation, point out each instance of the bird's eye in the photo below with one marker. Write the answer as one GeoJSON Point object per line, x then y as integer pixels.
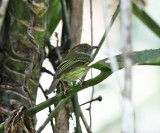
{"type": "Point", "coordinates": [84, 47]}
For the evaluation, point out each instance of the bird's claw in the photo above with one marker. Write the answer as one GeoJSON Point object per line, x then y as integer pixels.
{"type": "Point", "coordinates": [81, 82]}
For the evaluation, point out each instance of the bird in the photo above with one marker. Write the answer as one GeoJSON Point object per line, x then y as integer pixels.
{"type": "Point", "coordinates": [74, 65]}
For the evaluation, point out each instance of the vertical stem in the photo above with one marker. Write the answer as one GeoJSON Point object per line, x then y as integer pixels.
{"type": "Point", "coordinates": [62, 117]}
{"type": "Point", "coordinates": [66, 21]}
{"type": "Point", "coordinates": [128, 113]}
{"type": "Point", "coordinates": [76, 29]}
{"type": "Point", "coordinates": [76, 20]}
{"type": "Point", "coordinates": [91, 22]}
{"type": "Point", "coordinates": [77, 112]}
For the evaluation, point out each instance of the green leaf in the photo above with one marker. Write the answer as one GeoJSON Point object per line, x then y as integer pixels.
{"type": "Point", "coordinates": [1, 127]}
{"type": "Point", "coordinates": [54, 16]}
{"type": "Point", "coordinates": [146, 57]}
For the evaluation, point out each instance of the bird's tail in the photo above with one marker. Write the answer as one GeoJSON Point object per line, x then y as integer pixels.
{"type": "Point", "coordinates": [53, 86]}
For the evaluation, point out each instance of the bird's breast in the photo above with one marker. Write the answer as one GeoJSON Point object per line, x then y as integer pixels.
{"type": "Point", "coordinates": [75, 73]}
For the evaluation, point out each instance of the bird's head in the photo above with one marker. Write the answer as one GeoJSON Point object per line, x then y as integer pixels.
{"type": "Point", "coordinates": [83, 48]}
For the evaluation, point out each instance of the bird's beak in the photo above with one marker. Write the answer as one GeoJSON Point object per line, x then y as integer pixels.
{"type": "Point", "coordinates": [93, 47]}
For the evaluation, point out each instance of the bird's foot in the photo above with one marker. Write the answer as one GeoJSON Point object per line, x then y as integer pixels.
{"type": "Point", "coordinates": [81, 82]}
{"type": "Point", "coordinates": [65, 88]}
{"type": "Point", "coordinates": [65, 91]}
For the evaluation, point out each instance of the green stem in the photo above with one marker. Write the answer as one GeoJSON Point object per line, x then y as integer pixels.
{"type": "Point", "coordinates": [52, 114]}
{"type": "Point", "coordinates": [77, 112]}
{"type": "Point", "coordinates": [146, 19]}
{"type": "Point", "coordinates": [103, 75]}
{"type": "Point", "coordinates": [66, 21]}
{"type": "Point", "coordinates": [107, 30]}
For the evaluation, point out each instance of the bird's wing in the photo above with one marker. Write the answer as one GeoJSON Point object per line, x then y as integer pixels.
{"type": "Point", "coordinates": [66, 66]}
{"type": "Point", "coordinates": [69, 64]}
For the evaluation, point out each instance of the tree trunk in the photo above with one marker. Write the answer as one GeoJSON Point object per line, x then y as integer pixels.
{"type": "Point", "coordinates": [76, 20]}
{"type": "Point", "coordinates": [22, 54]}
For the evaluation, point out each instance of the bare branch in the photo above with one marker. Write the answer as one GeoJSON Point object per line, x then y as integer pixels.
{"type": "Point", "coordinates": [44, 93]}
{"type": "Point", "coordinates": [90, 105]}
{"type": "Point", "coordinates": [43, 69]}
{"type": "Point", "coordinates": [85, 122]}
{"type": "Point", "coordinates": [107, 31]}
{"type": "Point", "coordinates": [95, 99]}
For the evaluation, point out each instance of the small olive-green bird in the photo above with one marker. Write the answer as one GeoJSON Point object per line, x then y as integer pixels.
{"type": "Point", "coordinates": [74, 66]}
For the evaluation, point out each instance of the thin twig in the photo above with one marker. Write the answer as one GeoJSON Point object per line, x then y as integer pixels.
{"type": "Point", "coordinates": [43, 69]}
{"type": "Point", "coordinates": [54, 39]}
{"type": "Point", "coordinates": [112, 57]}
{"type": "Point", "coordinates": [90, 105]}
{"type": "Point", "coordinates": [107, 30]}
{"type": "Point", "coordinates": [57, 48]}
{"type": "Point", "coordinates": [85, 122]}
{"type": "Point", "coordinates": [49, 107]}
{"type": "Point", "coordinates": [95, 99]}
{"type": "Point", "coordinates": [91, 22]}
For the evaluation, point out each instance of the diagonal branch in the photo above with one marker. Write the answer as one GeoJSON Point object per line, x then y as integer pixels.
{"type": "Point", "coordinates": [146, 19]}
{"type": "Point", "coordinates": [50, 110]}
{"type": "Point", "coordinates": [85, 122]}
{"type": "Point", "coordinates": [107, 31]}
{"type": "Point", "coordinates": [103, 75]}
{"type": "Point", "coordinates": [52, 114]}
